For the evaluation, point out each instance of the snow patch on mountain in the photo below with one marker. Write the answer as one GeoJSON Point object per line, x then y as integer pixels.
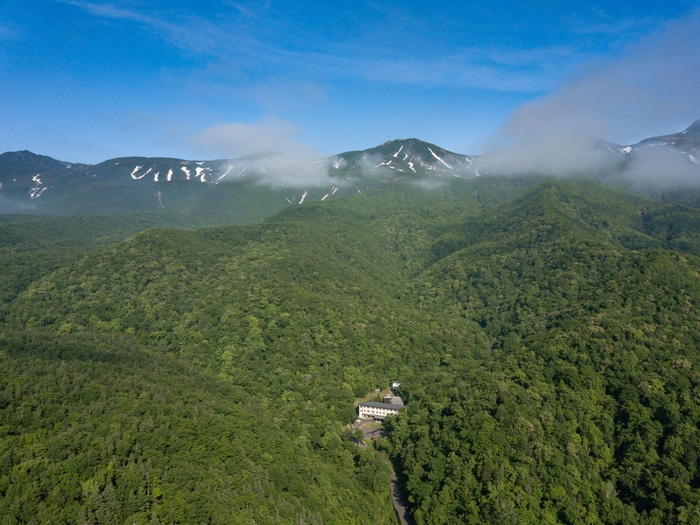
{"type": "Point", "coordinates": [139, 177]}
{"type": "Point", "coordinates": [439, 159]}
{"type": "Point", "coordinates": [35, 193]}
{"type": "Point", "coordinates": [201, 172]}
{"type": "Point", "coordinates": [228, 170]}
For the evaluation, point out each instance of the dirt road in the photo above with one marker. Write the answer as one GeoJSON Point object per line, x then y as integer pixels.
{"type": "Point", "coordinates": [371, 430]}
{"type": "Point", "coordinates": [399, 503]}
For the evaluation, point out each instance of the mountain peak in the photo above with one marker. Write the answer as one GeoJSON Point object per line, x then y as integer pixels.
{"type": "Point", "coordinates": [693, 129]}
{"type": "Point", "coordinates": [25, 156]}
{"type": "Point", "coordinates": [406, 157]}
{"type": "Point", "coordinates": [26, 160]}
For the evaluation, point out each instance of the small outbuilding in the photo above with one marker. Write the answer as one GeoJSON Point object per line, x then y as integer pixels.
{"type": "Point", "coordinates": [393, 400]}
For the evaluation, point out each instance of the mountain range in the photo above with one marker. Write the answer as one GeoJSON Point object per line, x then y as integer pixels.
{"type": "Point", "coordinates": [31, 183]}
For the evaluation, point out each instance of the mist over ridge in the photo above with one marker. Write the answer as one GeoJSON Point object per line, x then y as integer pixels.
{"type": "Point", "coordinates": [32, 183]}
{"type": "Point", "coordinates": [652, 84]}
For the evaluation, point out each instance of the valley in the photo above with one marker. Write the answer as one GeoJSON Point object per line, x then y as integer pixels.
{"type": "Point", "coordinates": [199, 363]}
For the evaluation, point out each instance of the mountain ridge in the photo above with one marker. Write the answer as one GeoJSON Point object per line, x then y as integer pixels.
{"type": "Point", "coordinates": [31, 183]}
{"type": "Point", "coordinates": [26, 157]}
{"type": "Point", "coordinates": [687, 140]}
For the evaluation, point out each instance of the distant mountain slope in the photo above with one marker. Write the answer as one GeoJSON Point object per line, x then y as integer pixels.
{"type": "Point", "coordinates": [687, 141]}
{"type": "Point", "coordinates": [409, 156]}
{"type": "Point", "coordinates": [266, 182]}
{"type": "Point", "coordinates": [21, 174]}
{"type": "Point", "coordinates": [19, 161]}
{"type": "Point", "coordinates": [670, 162]}
{"type": "Point", "coordinates": [35, 184]}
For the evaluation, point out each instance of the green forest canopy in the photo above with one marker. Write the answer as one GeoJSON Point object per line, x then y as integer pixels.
{"type": "Point", "coordinates": [545, 334]}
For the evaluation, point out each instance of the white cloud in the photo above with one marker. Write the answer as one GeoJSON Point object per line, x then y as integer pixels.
{"type": "Point", "coordinates": [651, 88]}
{"type": "Point", "coordinates": [283, 160]}
{"type": "Point", "coordinates": [231, 139]}
{"type": "Point", "coordinates": [662, 167]}
{"type": "Point", "coordinates": [288, 172]}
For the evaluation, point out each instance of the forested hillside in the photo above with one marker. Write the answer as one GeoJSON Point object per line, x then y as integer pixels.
{"type": "Point", "coordinates": [585, 406]}
{"type": "Point", "coordinates": [545, 334]}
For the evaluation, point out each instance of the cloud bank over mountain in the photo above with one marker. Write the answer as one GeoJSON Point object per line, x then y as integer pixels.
{"type": "Point", "coordinates": [232, 139]}
{"type": "Point", "coordinates": [653, 84]}
{"type": "Point", "coordinates": [272, 148]}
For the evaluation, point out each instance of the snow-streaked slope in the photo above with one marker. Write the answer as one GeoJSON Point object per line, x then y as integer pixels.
{"type": "Point", "coordinates": [407, 156]}
{"type": "Point", "coordinates": [35, 179]}
{"type": "Point", "coordinates": [687, 140]}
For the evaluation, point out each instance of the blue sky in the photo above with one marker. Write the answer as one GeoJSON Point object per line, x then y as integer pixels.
{"type": "Point", "coordinates": [90, 80]}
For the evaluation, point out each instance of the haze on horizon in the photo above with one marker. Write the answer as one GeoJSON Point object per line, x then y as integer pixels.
{"type": "Point", "coordinates": [89, 80]}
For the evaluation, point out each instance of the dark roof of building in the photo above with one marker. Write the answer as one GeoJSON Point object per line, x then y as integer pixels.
{"type": "Point", "coordinates": [374, 404]}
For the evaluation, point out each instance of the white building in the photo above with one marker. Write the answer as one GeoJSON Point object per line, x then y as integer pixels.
{"type": "Point", "coordinates": [374, 410]}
